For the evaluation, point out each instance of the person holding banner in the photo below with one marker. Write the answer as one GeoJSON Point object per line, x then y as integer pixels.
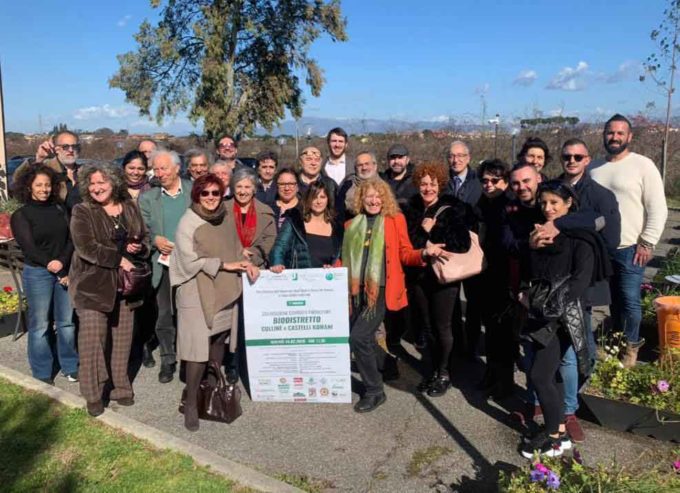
{"type": "Point", "coordinates": [434, 217]}
{"type": "Point", "coordinates": [205, 267]}
{"type": "Point", "coordinates": [375, 246]}
{"type": "Point", "coordinates": [308, 238]}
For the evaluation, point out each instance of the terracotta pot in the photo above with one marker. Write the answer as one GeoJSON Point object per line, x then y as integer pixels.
{"type": "Point", "coordinates": [5, 229]}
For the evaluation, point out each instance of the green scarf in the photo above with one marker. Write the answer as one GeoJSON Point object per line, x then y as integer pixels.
{"type": "Point", "coordinates": [352, 257]}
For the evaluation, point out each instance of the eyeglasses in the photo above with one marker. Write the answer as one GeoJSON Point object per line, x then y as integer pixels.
{"type": "Point", "coordinates": [577, 157]}
{"type": "Point", "coordinates": [458, 156]}
{"type": "Point", "coordinates": [69, 147]}
{"type": "Point", "coordinates": [486, 181]}
{"type": "Point", "coordinates": [311, 154]}
{"type": "Point", "coordinates": [227, 146]}
{"type": "Point", "coordinates": [290, 184]}
{"type": "Point", "coordinates": [208, 193]}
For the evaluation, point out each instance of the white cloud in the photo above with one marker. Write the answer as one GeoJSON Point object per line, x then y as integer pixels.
{"type": "Point", "coordinates": [570, 79]}
{"type": "Point", "coordinates": [630, 69]}
{"type": "Point", "coordinates": [525, 78]}
{"type": "Point", "coordinates": [439, 118]}
{"type": "Point", "coordinates": [103, 111]}
{"type": "Point", "coordinates": [123, 21]}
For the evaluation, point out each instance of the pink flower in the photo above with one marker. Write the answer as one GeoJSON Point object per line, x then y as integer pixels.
{"type": "Point", "coordinates": [676, 466]}
{"type": "Point", "coordinates": [540, 467]}
{"type": "Point", "coordinates": [663, 385]}
{"type": "Point", "coordinates": [646, 287]}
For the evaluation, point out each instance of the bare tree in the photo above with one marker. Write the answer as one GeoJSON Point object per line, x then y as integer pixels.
{"type": "Point", "coordinates": [661, 66]}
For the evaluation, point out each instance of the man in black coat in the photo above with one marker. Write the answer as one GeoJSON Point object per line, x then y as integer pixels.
{"type": "Point", "coordinates": [399, 174]}
{"type": "Point", "coordinates": [465, 186]}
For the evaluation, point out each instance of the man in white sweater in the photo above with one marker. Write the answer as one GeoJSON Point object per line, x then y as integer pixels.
{"type": "Point", "coordinates": [637, 185]}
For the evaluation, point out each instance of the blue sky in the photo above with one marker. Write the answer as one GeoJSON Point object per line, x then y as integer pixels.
{"type": "Point", "coordinates": [404, 60]}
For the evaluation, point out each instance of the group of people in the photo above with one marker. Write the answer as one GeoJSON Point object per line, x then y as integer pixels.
{"type": "Point", "coordinates": [554, 248]}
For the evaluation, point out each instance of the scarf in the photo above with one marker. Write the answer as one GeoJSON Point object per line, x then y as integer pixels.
{"type": "Point", "coordinates": [215, 217]}
{"type": "Point", "coordinates": [246, 232]}
{"type": "Point", "coordinates": [352, 257]}
{"type": "Point", "coordinates": [138, 186]}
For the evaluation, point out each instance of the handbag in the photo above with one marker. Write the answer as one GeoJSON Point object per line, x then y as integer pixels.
{"type": "Point", "coordinates": [459, 266]}
{"type": "Point", "coordinates": [134, 282]}
{"type": "Point", "coordinates": [221, 402]}
{"type": "Point", "coordinates": [548, 298]}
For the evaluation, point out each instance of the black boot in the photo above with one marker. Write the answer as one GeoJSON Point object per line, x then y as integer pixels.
{"type": "Point", "coordinates": [426, 383]}
{"type": "Point", "coordinates": [390, 370]}
{"type": "Point", "coordinates": [439, 386]}
{"type": "Point", "coordinates": [147, 357]}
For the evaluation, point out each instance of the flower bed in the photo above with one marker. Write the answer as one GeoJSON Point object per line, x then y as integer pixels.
{"type": "Point", "coordinates": [9, 301]}
{"type": "Point", "coordinates": [570, 475]}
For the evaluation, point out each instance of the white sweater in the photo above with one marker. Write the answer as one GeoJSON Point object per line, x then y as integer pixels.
{"type": "Point", "coordinates": [637, 185]}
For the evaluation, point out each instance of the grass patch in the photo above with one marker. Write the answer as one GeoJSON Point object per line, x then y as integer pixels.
{"type": "Point", "coordinates": [423, 458]}
{"type": "Point", "coordinates": [45, 446]}
{"type": "Point", "coordinates": [305, 483]}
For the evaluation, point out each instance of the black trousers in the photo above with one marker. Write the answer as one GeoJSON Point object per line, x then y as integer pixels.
{"type": "Point", "coordinates": [166, 330]}
{"type": "Point", "coordinates": [435, 304]}
{"type": "Point", "coordinates": [364, 323]}
{"type": "Point", "coordinates": [469, 332]}
{"type": "Point", "coordinates": [498, 315]}
{"type": "Point", "coordinates": [546, 378]}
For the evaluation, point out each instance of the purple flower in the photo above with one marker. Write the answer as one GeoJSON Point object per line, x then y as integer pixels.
{"type": "Point", "coordinates": [676, 466]}
{"type": "Point", "coordinates": [663, 385]}
{"type": "Point", "coordinates": [553, 481]}
{"type": "Point", "coordinates": [646, 287]}
{"type": "Point", "coordinates": [536, 476]}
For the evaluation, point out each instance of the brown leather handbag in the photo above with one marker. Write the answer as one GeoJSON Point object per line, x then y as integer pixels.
{"type": "Point", "coordinates": [134, 282]}
{"type": "Point", "coordinates": [221, 402]}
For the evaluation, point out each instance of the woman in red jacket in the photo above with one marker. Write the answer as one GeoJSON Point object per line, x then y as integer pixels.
{"type": "Point", "coordinates": [375, 246]}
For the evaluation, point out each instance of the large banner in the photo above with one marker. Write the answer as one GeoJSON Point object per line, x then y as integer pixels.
{"type": "Point", "coordinates": [297, 336]}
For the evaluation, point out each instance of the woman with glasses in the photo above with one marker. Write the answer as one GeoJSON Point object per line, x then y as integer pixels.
{"type": "Point", "coordinates": [287, 197]}
{"type": "Point", "coordinates": [435, 218]}
{"type": "Point", "coordinates": [569, 260]}
{"type": "Point", "coordinates": [309, 237]}
{"type": "Point", "coordinates": [499, 339]}
{"type": "Point", "coordinates": [205, 267]}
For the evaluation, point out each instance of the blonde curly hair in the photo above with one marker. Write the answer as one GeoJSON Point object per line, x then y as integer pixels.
{"type": "Point", "coordinates": [389, 203]}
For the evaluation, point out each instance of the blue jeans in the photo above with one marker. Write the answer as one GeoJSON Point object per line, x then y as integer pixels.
{"type": "Point", "coordinates": [625, 287]}
{"type": "Point", "coordinates": [48, 300]}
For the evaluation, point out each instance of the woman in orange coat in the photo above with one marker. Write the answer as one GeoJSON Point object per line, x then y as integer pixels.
{"type": "Point", "coordinates": [375, 246]}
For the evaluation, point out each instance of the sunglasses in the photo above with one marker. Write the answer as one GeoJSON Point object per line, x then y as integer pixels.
{"type": "Point", "coordinates": [69, 147]}
{"type": "Point", "coordinates": [208, 193]}
{"type": "Point", "coordinates": [486, 181]}
{"type": "Point", "coordinates": [577, 157]}
{"type": "Point", "coordinates": [226, 146]}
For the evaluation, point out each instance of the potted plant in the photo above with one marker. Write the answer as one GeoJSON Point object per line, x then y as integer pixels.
{"type": "Point", "coordinates": [9, 310]}
{"type": "Point", "coordinates": [7, 208]}
{"type": "Point", "coordinates": [643, 399]}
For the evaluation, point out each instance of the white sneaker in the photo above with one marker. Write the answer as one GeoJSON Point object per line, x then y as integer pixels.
{"type": "Point", "coordinates": [72, 377]}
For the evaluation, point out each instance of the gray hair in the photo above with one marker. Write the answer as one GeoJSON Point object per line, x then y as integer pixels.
{"type": "Point", "coordinates": [196, 152]}
{"type": "Point", "coordinates": [111, 172]}
{"type": "Point", "coordinates": [159, 152]}
{"type": "Point", "coordinates": [369, 153]}
{"type": "Point", "coordinates": [221, 163]}
{"type": "Point", "coordinates": [242, 173]}
{"type": "Point", "coordinates": [457, 143]}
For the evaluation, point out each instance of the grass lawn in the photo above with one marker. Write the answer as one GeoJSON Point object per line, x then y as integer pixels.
{"type": "Point", "coordinates": [46, 446]}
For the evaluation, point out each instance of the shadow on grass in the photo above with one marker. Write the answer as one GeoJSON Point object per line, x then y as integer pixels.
{"type": "Point", "coordinates": [26, 434]}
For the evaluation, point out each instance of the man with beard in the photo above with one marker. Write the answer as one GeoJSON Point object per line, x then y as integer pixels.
{"type": "Point", "coordinates": [366, 166]}
{"type": "Point", "coordinates": [637, 185]}
{"type": "Point", "coordinates": [59, 153]}
{"type": "Point", "coordinates": [336, 166]}
{"type": "Point", "coordinates": [398, 174]}
{"type": "Point", "coordinates": [227, 150]}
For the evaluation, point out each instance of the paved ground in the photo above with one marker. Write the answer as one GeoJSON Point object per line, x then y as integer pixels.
{"type": "Point", "coordinates": [413, 443]}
